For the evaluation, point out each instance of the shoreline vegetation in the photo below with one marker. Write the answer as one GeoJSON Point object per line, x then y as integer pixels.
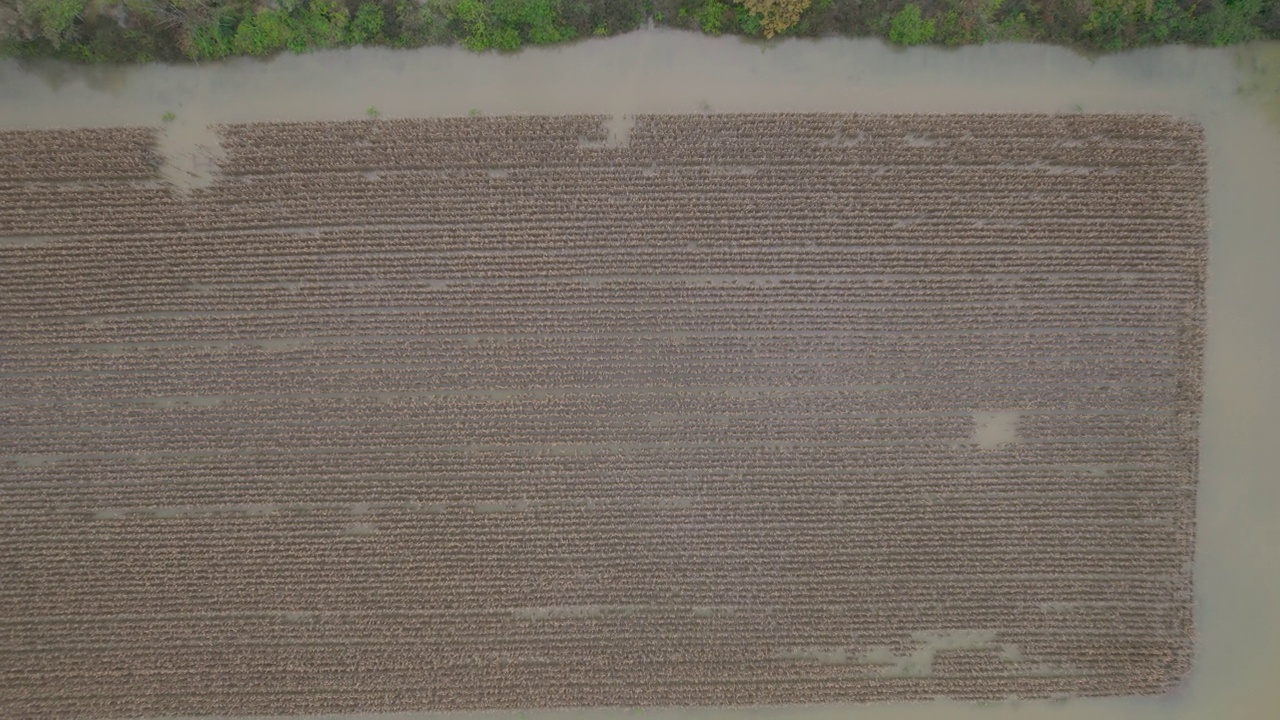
{"type": "Point", "coordinates": [139, 31]}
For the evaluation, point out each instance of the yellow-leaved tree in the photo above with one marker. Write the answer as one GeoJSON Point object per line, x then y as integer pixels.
{"type": "Point", "coordinates": [776, 15]}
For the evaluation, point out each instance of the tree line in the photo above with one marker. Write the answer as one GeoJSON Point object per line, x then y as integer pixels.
{"type": "Point", "coordinates": [176, 30]}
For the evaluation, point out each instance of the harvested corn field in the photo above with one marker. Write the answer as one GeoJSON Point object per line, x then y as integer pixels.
{"type": "Point", "coordinates": [556, 411]}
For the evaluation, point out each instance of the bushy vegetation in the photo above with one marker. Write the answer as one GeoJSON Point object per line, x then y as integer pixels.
{"type": "Point", "coordinates": [173, 30]}
{"type": "Point", "coordinates": [508, 24]}
{"type": "Point", "coordinates": [909, 27]}
{"type": "Point", "coordinates": [773, 16]}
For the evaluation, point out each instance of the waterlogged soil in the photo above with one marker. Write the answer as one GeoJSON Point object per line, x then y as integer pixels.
{"type": "Point", "coordinates": [1233, 93]}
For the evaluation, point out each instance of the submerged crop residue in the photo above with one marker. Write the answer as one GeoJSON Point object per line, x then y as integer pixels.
{"type": "Point", "coordinates": [704, 409]}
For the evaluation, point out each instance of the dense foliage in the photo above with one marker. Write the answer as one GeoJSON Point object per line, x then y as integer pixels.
{"type": "Point", "coordinates": [909, 27]}
{"type": "Point", "coordinates": [144, 30]}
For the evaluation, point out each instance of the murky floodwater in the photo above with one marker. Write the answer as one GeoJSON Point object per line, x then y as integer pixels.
{"type": "Point", "coordinates": [1234, 92]}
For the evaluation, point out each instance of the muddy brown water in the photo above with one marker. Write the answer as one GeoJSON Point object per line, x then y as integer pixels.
{"type": "Point", "coordinates": [1231, 92]}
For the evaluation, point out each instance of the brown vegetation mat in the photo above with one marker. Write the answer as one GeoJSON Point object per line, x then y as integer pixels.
{"type": "Point", "coordinates": [531, 412]}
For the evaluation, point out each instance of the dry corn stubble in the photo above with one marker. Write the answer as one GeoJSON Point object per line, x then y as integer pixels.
{"type": "Point", "coordinates": [498, 412]}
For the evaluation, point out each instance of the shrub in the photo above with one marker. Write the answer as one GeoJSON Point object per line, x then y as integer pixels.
{"type": "Point", "coordinates": [748, 22]}
{"type": "Point", "coordinates": [535, 21]}
{"type": "Point", "coordinates": [1015, 26]}
{"type": "Point", "coordinates": [969, 21]}
{"type": "Point", "coordinates": [1233, 21]}
{"type": "Point", "coordinates": [474, 16]}
{"type": "Point", "coordinates": [320, 24]}
{"type": "Point", "coordinates": [505, 38]}
{"type": "Point", "coordinates": [1167, 20]}
{"type": "Point", "coordinates": [412, 24]}
{"type": "Point", "coordinates": [100, 38]}
{"type": "Point", "coordinates": [262, 33]}
{"type": "Point", "coordinates": [584, 17]}
{"type": "Point", "coordinates": [1112, 23]}
{"type": "Point", "coordinates": [212, 39]}
{"type": "Point", "coordinates": [712, 18]}
{"type": "Point", "coordinates": [910, 28]}
{"type": "Point", "coordinates": [55, 19]}
{"type": "Point", "coordinates": [367, 25]}
{"type": "Point", "coordinates": [776, 15]}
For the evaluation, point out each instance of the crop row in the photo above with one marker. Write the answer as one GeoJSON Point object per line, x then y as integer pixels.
{"type": "Point", "coordinates": [340, 255]}
{"type": "Point", "coordinates": [491, 217]}
{"type": "Point", "coordinates": [626, 372]}
{"type": "Point", "coordinates": [890, 186]}
{"type": "Point", "coordinates": [549, 319]}
{"type": "Point", "coordinates": [857, 352]}
{"type": "Point", "coordinates": [77, 156]}
{"type": "Point", "coordinates": [364, 348]}
{"type": "Point", "coordinates": [621, 203]}
{"type": "Point", "coordinates": [723, 139]}
{"type": "Point", "coordinates": [433, 481]}
{"type": "Point", "coordinates": [492, 426]}
{"type": "Point", "coordinates": [142, 297]}
{"type": "Point", "coordinates": [602, 414]}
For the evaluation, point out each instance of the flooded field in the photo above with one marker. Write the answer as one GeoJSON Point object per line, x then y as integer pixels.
{"type": "Point", "coordinates": [545, 418]}
{"type": "Point", "coordinates": [631, 331]}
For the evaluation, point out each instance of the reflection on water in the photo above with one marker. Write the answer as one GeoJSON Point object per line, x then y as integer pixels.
{"type": "Point", "coordinates": [1234, 92]}
{"type": "Point", "coordinates": [1259, 69]}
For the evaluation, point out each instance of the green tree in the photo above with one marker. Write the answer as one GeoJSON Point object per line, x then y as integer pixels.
{"type": "Point", "coordinates": [474, 16]}
{"type": "Point", "coordinates": [712, 19]}
{"type": "Point", "coordinates": [1233, 21]}
{"type": "Point", "coordinates": [508, 24]}
{"type": "Point", "coordinates": [367, 25]}
{"type": "Point", "coordinates": [320, 24]}
{"type": "Point", "coordinates": [1167, 21]}
{"type": "Point", "coordinates": [413, 23]}
{"type": "Point", "coordinates": [1113, 24]}
{"type": "Point", "coordinates": [748, 21]}
{"type": "Point", "coordinates": [262, 33]}
{"type": "Point", "coordinates": [909, 27]}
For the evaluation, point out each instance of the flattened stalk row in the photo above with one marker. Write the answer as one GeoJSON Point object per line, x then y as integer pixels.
{"type": "Point", "coordinates": [309, 261]}
{"type": "Point", "coordinates": [547, 411]}
{"type": "Point", "coordinates": [79, 156]}
{"type": "Point", "coordinates": [328, 351]}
